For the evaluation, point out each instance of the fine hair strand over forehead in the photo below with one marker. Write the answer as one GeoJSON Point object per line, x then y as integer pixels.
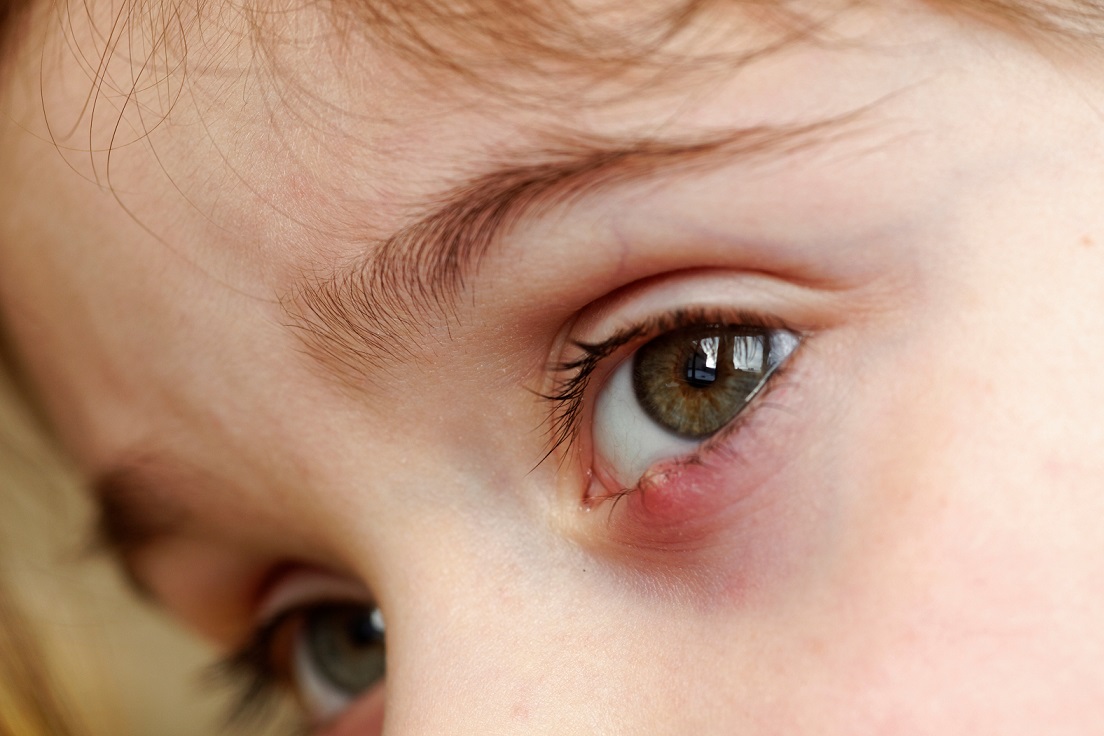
{"type": "Point", "coordinates": [605, 37]}
{"type": "Point", "coordinates": [620, 32]}
{"type": "Point", "coordinates": [473, 38]}
{"type": "Point", "coordinates": [1067, 18]}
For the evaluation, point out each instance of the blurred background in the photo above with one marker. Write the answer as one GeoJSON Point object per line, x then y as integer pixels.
{"type": "Point", "coordinates": [119, 666]}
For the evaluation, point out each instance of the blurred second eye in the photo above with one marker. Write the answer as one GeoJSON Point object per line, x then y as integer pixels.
{"type": "Point", "coordinates": [678, 390]}
{"type": "Point", "coordinates": [338, 654]}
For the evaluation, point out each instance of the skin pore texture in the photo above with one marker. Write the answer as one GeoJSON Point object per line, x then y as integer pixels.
{"type": "Point", "coordinates": [900, 535]}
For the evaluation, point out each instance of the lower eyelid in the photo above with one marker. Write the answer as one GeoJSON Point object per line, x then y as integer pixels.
{"type": "Point", "coordinates": [687, 497]}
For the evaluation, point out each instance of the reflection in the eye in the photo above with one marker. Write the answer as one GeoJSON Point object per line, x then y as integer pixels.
{"type": "Point", "coordinates": [748, 354]}
{"type": "Point", "coordinates": [701, 368]}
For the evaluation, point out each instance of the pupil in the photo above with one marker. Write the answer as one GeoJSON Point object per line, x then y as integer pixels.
{"type": "Point", "coordinates": [701, 364]}
{"type": "Point", "coordinates": [361, 631]}
{"type": "Point", "coordinates": [699, 373]}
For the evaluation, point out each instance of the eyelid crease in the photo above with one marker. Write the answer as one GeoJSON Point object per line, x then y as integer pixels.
{"type": "Point", "coordinates": [302, 586]}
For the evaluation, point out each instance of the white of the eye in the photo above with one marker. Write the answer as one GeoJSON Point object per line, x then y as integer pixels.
{"type": "Point", "coordinates": [782, 345]}
{"type": "Point", "coordinates": [625, 437]}
{"type": "Point", "coordinates": [630, 442]}
{"type": "Point", "coordinates": [322, 700]}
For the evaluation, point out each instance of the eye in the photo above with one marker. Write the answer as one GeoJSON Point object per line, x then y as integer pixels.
{"type": "Point", "coordinates": [338, 654]}
{"type": "Point", "coordinates": [679, 389]}
{"type": "Point", "coordinates": [326, 653]}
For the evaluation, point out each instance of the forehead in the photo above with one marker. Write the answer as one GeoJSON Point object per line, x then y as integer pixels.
{"type": "Point", "coordinates": [392, 86]}
{"type": "Point", "coordinates": [346, 120]}
{"type": "Point", "coordinates": [256, 156]}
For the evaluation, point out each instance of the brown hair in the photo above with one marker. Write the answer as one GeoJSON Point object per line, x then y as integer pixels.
{"type": "Point", "coordinates": [532, 32]}
{"type": "Point", "coordinates": [477, 39]}
{"type": "Point", "coordinates": [472, 37]}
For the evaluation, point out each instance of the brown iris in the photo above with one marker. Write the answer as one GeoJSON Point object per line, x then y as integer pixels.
{"type": "Point", "coordinates": [694, 381]}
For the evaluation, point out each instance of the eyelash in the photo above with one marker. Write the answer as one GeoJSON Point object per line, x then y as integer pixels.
{"type": "Point", "coordinates": [254, 678]}
{"type": "Point", "coordinates": [571, 389]}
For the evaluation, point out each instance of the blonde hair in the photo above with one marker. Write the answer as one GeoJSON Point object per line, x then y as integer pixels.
{"type": "Point", "coordinates": [30, 700]}
{"type": "Point", "coordinates": [76, 648]}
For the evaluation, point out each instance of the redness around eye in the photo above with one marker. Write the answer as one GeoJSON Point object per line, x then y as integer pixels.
{"type": "Point", "coordinates": [674, 492]}
{"type": "Point", "coordinates": [689, 505]}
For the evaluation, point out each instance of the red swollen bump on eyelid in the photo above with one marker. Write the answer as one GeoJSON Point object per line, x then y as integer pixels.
{"type": "Point", "coordinates": [719, 531]}
{"type": "Point", "coordinates": [679, 492]}
{"type": "Point", "coordinates": [702, 530]}
{"type": "Point", "coordinates": [686, 503]}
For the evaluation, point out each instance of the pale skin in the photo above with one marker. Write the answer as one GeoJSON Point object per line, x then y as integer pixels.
{"type": "Point", "coordinates": [903, 538]}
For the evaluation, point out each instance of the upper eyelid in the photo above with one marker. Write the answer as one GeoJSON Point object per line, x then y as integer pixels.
{"type": "Point", "coordinates": [304, 587]}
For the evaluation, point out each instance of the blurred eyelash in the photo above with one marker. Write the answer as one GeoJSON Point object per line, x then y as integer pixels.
{"type": "Point", "coordinates": [570, 390]}
{"type": "Point", "coordinates": [251, 675]}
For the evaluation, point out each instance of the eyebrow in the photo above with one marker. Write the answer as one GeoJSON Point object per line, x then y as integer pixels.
{"type": "Point", "coordinates": [132, 516]}
{"type": "Point", "coordinates": [355, 320]}
{"type": "Point", "coordinates": [361, 319]}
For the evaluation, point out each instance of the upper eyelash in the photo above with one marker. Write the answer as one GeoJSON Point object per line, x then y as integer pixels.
{"type": "Point", "coordinates": [567, 396]}
{"type": "Point", "coordinates": [570, 390]}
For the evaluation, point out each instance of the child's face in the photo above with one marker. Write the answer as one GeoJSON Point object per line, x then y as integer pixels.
{"type": "Point", "coordinates": [901, 534]}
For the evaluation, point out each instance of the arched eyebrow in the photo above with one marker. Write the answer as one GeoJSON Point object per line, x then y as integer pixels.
{"type": "Point", "coordinates": [359, 320]}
